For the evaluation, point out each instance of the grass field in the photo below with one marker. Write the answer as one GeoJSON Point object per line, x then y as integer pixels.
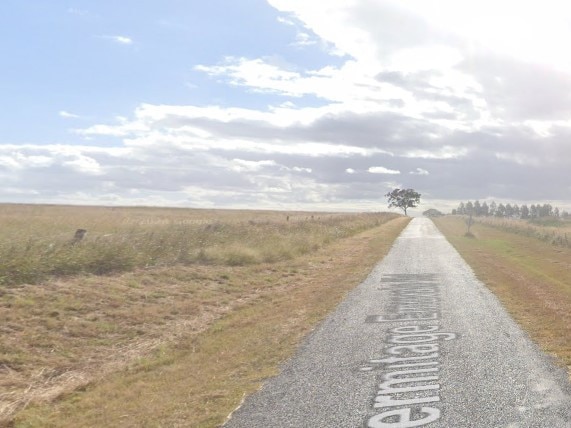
{"type": "Point", "coordinates": [203, 307]}
{"type": "Point", "coordinates": [552, 230]}
{"type": "Point", "coordinates": [36, 242]}
{"type": "Point", "coordinates": [529, 273]}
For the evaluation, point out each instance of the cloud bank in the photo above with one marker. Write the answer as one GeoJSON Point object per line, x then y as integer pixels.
{"type": "Point", "coordinates": [418, 97]}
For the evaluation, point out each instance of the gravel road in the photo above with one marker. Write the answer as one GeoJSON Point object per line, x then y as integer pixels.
{"type": "Point", "coordinates": [421, 342]}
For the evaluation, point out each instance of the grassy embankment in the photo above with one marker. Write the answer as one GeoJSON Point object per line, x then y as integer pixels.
{"type": "Point", "coordinates": [164, 317]}
{"type": "Point", "coordinates": [528, 266]}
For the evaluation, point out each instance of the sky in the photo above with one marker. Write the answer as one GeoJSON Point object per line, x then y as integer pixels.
{"type": "Point", "coordinates": [285, 104]}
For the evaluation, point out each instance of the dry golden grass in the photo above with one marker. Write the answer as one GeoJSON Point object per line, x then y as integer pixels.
{"type": "Point", "coordinates": [36, 242]}
{"type": "Point", "coordinates": [531, 277]}
{"type": "Point", "coordinates": [548, 229]}
{"type": "Point", "coordinates": [176, 345]}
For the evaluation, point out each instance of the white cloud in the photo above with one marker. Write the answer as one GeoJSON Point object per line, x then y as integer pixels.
{"type": "Point", "coordinates": [419, 171]}
{"type": "Point", "coordinates": [443, 152]}
{"type": "Point", "coordinates": [325, 19]}
{"type": "Point", "coordinates": [184, 126]}
{"type": "Point", "coordinates": [351, 83]}
{"type": "Point", "coordinates": [18, 160]}
{"type": "Point", "coordinates": [382, 170]}
{"type": "Point", "coordinates": [286, 21]}
{"type": "Point", "coordinates": [9, 162]}
{"type": "Point", "coordinates": [84, 164]}
{"type": "Point", "coordinates": [350, 171]}
{"type": "Point", "coordinates": [124, 129]}
{"type": "Point", "coordinates": [122, 40]}
{"type": "Point", "coordinates": [302, 169]}
{"type": "Point", "coordinates": [524, 29]}
{"type": "Point", "coordinates": [68, 115]}
{"type": "Point", "coordinates": [257, 74]}
{"type": "Point", "coordinates": [304, 39]}
{"type": "Point", "coordinates": [241, 165]}
{"type": "Point", "coordinates": [356, 86]}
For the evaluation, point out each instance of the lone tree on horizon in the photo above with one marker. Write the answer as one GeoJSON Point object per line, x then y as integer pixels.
{"type": "Point", "coordinates": [403, 199]}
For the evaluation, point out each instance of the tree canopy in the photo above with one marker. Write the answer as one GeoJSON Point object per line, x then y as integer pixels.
{"type": "Point", "coordinates": [403, 199]}
{"type": "Point", "coordinates": [432, 212]}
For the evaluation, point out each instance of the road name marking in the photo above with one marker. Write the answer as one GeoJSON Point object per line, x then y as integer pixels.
{"type": "Point", "coordinates": [407, 386]}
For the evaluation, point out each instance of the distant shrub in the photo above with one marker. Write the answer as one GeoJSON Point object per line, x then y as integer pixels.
{"type": "Point", "coordinates": [432, 212]}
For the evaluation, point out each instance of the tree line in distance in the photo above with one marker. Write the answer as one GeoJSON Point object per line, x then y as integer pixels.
{"type": "Point", "coordinates": [508, 210]}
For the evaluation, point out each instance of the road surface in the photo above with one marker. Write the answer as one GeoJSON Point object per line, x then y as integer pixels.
{"type": "Point", "coordinates": [421, 342]}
